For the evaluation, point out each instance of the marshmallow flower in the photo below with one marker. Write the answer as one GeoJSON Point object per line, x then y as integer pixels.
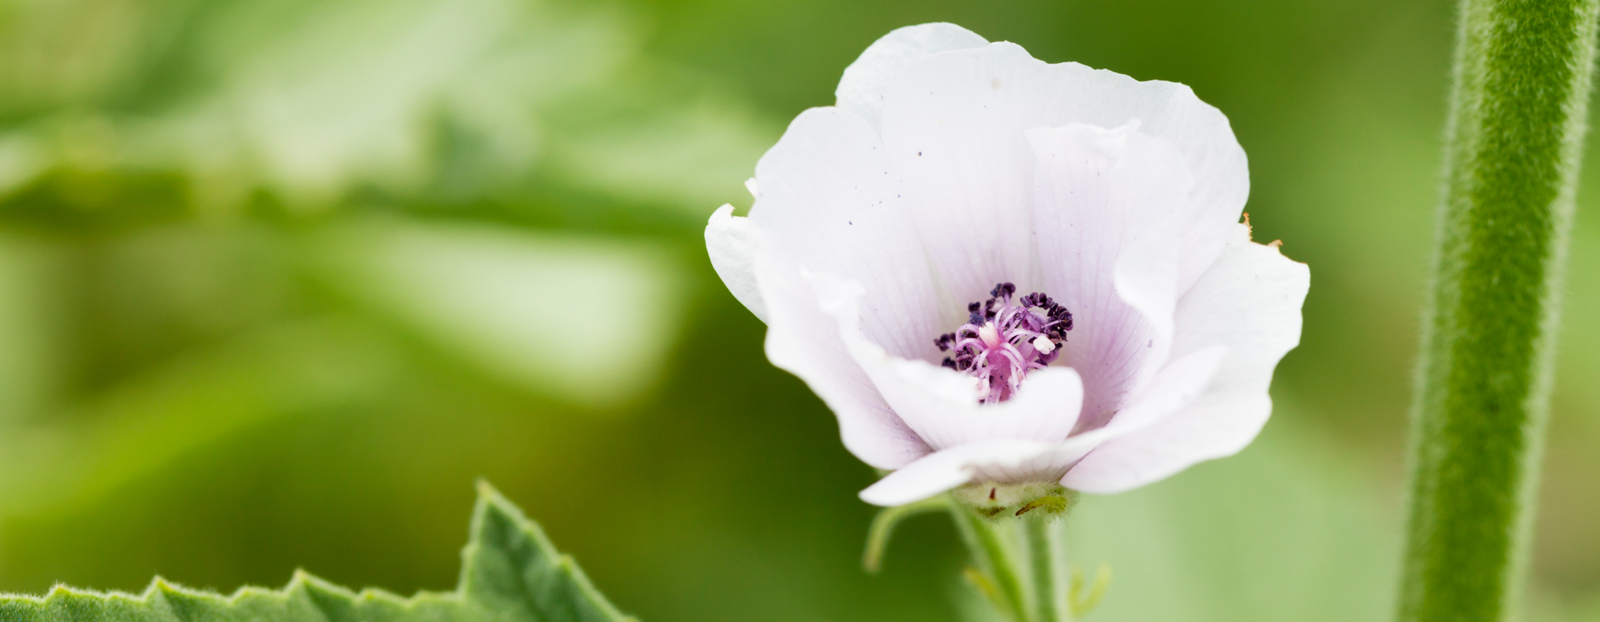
{"type": "Point", "coordinates": [1000, 273]}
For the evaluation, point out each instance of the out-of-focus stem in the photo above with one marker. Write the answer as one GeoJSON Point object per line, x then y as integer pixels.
{"type": "Point", "coordinates": [1518, 107]}
{"type": "Point", "coordinates": [1049, 594]}
{"type": "Point", "coordinates": [887, 519]}
{"type": "Point", "coordinates": [998, 559]}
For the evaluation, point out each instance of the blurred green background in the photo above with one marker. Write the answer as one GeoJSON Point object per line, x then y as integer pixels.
{"type": "Point", "coordinates": [280, 278]}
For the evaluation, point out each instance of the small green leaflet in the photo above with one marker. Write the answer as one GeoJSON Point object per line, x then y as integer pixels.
{"type": "Point", "coordinates": [510, 573]}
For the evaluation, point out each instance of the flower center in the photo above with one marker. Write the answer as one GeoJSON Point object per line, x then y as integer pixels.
{"type": "Point", "coordinates": [1002, 341]}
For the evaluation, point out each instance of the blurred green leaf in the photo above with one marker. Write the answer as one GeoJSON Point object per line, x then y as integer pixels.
{"type": "Point", "coordinates": [309, 104]}
{"type": "Point", "coordinates": [28, 361]}
{"type": "Point", "coordinates": [660, 135]}
{"type": "Point", "coordinates": [510, 573]}
{"type": "Point", "coordinates": [194, 400]}
{"type": "Point", "coordinates": [586, 320]}
{"type": "Point", "coordinates": [305, 99]}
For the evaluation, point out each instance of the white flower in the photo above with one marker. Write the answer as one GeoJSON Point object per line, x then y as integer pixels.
{"type": "Point", "coordinates": [956, 170]}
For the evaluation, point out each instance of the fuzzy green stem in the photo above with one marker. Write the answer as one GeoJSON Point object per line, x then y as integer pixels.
{"type": "Point", "coordinates": [998, 560]}
{"type": "Point", "coordinates": [1518, 107]}
{"type": "Point", "coordinates": [1044, 560]}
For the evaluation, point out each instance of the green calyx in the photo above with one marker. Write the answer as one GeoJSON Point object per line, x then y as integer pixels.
{"type": "Point", "coordinates": [996, 501]}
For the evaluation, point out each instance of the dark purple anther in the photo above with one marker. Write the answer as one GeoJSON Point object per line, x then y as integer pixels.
{"type": "Point", "coordinates": [1002, 341]}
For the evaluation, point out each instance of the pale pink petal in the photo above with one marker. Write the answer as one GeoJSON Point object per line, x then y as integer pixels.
{"type": "Point", "coordinates": [949, 468]}
{"type": "Point", "coordinates": [1146, 279]}
{"type": "Point", "coordinates": [941, 404]}
{"type": "Point", "coordinates": [804, 341]}
{"type": "Point", "coordinates": [1173, 388]}
{"type": "Point", "coordinates": [997, 460]}
{"type": "Point", "coordinates": [955, 123]}
{"type": "Point", "coordinates": [1214, 426]}
{"type": "Point", "coordinates": [1020, 460]}
{"type": "Point", "coordinates": [960, 144]}
{"type": "Point", "coordinates": [731, 243]}
{"type": "Point", "coordinates": [1249, 302]}
{"type": "Point", "coordinates": [829, 201]}
{"type": "Point", "coordinates": [862, 88]}
{"type": "Point", "coordinates": [1107, 207]}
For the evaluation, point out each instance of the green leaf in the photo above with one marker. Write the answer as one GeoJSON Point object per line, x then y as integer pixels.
{"type": "Point", "coordinates": [510, 573]}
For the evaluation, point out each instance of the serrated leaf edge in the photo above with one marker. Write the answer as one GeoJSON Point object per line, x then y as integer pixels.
{"type": "Point", "coordinates": [489, 503]}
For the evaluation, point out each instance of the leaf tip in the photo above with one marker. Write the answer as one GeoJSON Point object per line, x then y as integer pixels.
{"type": "Point", "coordinates": [486, 490]}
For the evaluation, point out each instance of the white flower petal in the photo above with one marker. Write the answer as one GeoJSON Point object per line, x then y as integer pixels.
{"type": "Point", "coordinates": [804, 341]}
{"type": "Point", "coordinates": [731, 243]}
{"type": "Point", "coordinates": [1177, 385]}
{"type": "Point", "coordinates": [960, 145]}
{"type": "Point", "coordinates": [1249, 301]}
{"type": "Point", "coordinates": [943, 470]}
{"type": "Point", "coordinates": [997, 460]}
{"type": "Point", "coordinates": [1214, 426]}
{"type": "Point", "coordinates": [1146, 278]}
{"type": "Point", "coordinates": [955, 123]}
{"type": "Point", "coordinates": [1108, 204]}
{"type": "Point", "coordinates": [1016, 460]}
{"type": "Point", "coordinates": [828, 201]}
{"type": "Point", "coordinates": [861, 90]}
{"type": "Point", "coordinates": [941, 404]}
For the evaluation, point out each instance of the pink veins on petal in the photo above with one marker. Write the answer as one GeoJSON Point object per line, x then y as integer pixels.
{"type": "Point", "coordinates": [1002, 341]}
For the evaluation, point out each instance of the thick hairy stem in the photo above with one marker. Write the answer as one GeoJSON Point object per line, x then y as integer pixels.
{"type": "Point", "coordinates": [1518, 108]}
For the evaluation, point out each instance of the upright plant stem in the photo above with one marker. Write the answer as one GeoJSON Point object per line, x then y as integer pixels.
{"type": "Point", "coordinates": [1518, 108]}
{"type": "Point", "coordinates": [998, 560]}
{"type": "Point", "coordinates": [1019, 564]}
{"type": "Point", "coordinates": [1049, 594]}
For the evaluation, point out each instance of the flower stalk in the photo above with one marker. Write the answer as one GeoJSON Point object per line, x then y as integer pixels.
{"type": "Point", "coordinates": [994, 546]}
{"type": "Point", "coordinates": [1018, 563]}
{"type": "Point", "coordinates": [1018, 558]}
{"type": "Point", "coordinates": [1518, 110]}
{"type": "Point", "coordinates": [1044, 559]}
